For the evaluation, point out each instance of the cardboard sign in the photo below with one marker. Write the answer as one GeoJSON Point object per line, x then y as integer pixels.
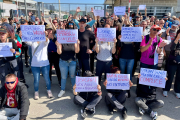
{"type": "Point", "coordinates": [118, 81]}
{"type": "Point", "coordinates": [86, 84]}
{"type": "Point", "coordinates": [5, 49]}
{"type": "Point", "coordinates": [106, 34]}
{"type": "Point", "coordinates": [67, 36]}
{"type": "Point", "coordinates": [121, 10]}
{"type": "Point", "coordinates": [131, 34]}
{"type": "Point", "coordinates": [99, 13]}
{"type": "Point", "coordinates": [153, 77]}
{"type": "Point", "coordinates": [33, 33]}
{"type": "Point", "coordinates": [142, 7]}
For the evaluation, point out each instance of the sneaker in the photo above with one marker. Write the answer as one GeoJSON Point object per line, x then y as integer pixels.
{"type": "Point", "coordinates": [83, 113]}
{"type": "Point", "coordinates": [110, 109]}
{"type": "Point", "coordinates": [178, 95]}
{"type": "Point", "coordinates": [124, 113]}
{"type": "Point", "coordinates": [92, 110]}
{"type": "Point", "coordinates": [141, 111]}
{"type": "Point", "coordinates": [154, 115]}
{"type": "Point", "coordinates": [49, 94]}
{"type": "Point", "coordinates": [36, 95]}
{"type": "Point", "coordinates": [61, 93]}
{"type": "Point", "coordinates": [165, 93]}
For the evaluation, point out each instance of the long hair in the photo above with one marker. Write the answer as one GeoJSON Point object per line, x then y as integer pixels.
{"type": "Point", "coordinates": [9, 29]}
{"type": "Point", "coordinates": [177, 33]}
{"type": "Point", "coordinates": [68, 24]}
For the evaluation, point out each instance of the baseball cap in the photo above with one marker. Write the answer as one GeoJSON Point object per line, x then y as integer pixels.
{"type": "Point", "coordinates": [22, 21]}
{"type": "Point", "coordinates": [156, 27]}
{"type": "Point", "coordinates": [22, 16]}
{"type": "Point", "coordinates": [175, 23]}
{"type": "Point", "coordinates": [168, 14]}
{"type": "Point", "coordinates": [48, 27]}
{"type": "Point", "coordinates": [88, 73]}
{"type": "Point", "coordinates": [83, 20]}
{"type": "Point", "coordinates": [3, 30]}
{"type": "Point", "coordinates": [102, 20]}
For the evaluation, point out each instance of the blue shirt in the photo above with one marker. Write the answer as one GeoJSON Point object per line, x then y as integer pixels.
{"type": "Point", "coordinates": [89, 23]}
{"type": "Point", "coordinates": [169, 24]}
{"type": "Point", "coordinates": [52, 47]}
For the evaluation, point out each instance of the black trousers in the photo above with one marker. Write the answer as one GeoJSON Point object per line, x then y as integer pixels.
{"type": "Point", "coordinates": [20, 72]}
{"type": "Point", "coordinates": [92, 62]}
{"type": "Point", "coordinates": [54, 60]}
{"type": "Point", "coordinates": [89, 104]}
{"type": "Point", "coordinates": [116, 100]}
{"type": "Point", "coordinates": [137, 58]}
{"type": "Point", "coordinates": [25, 50]}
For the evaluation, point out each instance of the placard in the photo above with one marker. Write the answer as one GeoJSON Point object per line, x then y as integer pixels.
{"type": "Point", "coordinates": [99, 13]}
{"type": "Point", "coordinates": [5, 49]}
{"type": "Point", "coordinates": [67, 36]}
{"type": "Point", "coordinates": [118, 81]}
{"type": "Point", "coordinates": [153, 77]}
{"type": "Point", "coordinates": [142, 7]}
{"type": "Point", "coordinates": [106, 34]}
{"type": "Point", "coordinates": [121, 10]}
{"type": "Point", "coordinates": [86, 84]}
{"type": "Point", "coordinates": [33, 33]}
{"type": "Point", "coordinates": [131, 34]}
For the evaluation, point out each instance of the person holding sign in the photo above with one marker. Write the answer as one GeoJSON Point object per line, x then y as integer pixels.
{"type": "Point", "coordinates": [174, 67]}
{"type": "Point", "coordinates": [104, 52]}
{"type": "Point", "coordinates": [146, 100]}
{"type": "Point", "coordinates": [116, 98]}
{"type": "Point", "coordinates": [4, 61]}
{"type": "Point", "coordinates": [67, 63]}
{"type": "Point", "coordinates": [40, 63]}
{"type": "Point", "coordinates": [88, 100]}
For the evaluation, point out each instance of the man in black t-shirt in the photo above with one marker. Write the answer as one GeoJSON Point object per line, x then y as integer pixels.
{"type": "Point", "coordinates": [85, 37]}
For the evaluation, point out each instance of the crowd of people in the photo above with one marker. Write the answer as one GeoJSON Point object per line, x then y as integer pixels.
{"type": "Point", "coordinates": [159, 35]}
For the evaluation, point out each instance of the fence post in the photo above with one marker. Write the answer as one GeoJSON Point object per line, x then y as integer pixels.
{"type": "Point", "coordinates": [39, 16]}
{"type": "Point", "coordinates": [104, 10]}
{"type": "Point", "coordinates": [25, 9]}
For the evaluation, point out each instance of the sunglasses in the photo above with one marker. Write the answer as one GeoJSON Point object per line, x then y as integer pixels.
{"type": "Point", "coordinates": [70, 23]}
{"type": "Point", "coordinates": [11, 82]}
{"type": "Point", "coordinates": [154, 29]}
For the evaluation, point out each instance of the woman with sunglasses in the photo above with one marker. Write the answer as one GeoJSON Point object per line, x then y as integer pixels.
{"type": "Point", "coordinates": [4, 61]}
{"type": "Point", "coordinates": [67, 61]}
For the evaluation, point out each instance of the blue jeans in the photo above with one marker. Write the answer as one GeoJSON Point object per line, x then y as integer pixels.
{"type": "Point", "coordinates": [142, 65]}
{"type": "Point", "coordinates": [126, 64]}
{"type": "Point", "coordinates": [66, 66]}
{"type": "Point", "coordinates": [30, 54]}
{"type": "Point", "coordinates": [36, 73]}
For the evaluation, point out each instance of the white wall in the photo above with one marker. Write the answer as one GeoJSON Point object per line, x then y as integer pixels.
{"type": "Point", "coordinates": [7, 7]}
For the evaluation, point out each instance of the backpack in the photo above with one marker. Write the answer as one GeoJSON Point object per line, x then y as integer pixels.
{"type": "Point", "coordinates": [147, 39]}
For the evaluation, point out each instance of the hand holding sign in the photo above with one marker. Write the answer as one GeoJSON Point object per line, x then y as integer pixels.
{"type": "Point", "coordinates": [106, 34]}
{"type": "Point", "coordinates": [5, 50]}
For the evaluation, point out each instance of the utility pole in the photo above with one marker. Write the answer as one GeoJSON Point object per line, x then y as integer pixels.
{"type": "Point", "coordinates": [25, 9]}
{"type": "Point", "coordinates": [59, 10]}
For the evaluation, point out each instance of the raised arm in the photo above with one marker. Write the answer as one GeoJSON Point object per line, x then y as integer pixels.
{"type": "Point", "coordinates": [53, 27]}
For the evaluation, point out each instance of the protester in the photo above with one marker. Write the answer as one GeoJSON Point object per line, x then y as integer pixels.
{"type": "Point", "coordinates": [88, 100]}
{"type": "Point", "coordinates": [173, 67]}
{"type": "Point", "coordinates": [116, 98]}
{"type": "Point", "coordinates": [14, 101]}
{"type": "Point", "coordinates": [40, 64]}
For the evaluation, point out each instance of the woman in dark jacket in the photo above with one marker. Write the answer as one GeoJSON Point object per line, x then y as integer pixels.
{"type": "Point", "coordinates": [174, 67]}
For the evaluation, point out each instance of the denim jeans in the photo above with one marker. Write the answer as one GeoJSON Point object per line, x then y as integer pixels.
{"type": "Point", "coordinates": [126, 64]}
{"type": "Point", "coordinates": [102, 66]}
{"type": "Point", "coordinates": [142, 65]}
{"type": "Point", "coordinates": [36, 73]}
{"type": "Point", "coordinates": [66, 66]}
{"type": "Point", "coordinates": [10, 114]}
{"type": "Point", "coordinates": [30, 54]}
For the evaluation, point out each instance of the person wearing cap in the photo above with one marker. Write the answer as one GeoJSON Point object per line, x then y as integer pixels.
{"type": "Point", "coordinates": [88, 100]}
{"type": "Point", "coordinates": [172, 33]}
{"type": "Point", "coordinates": [4, 61]}
{"type": "Point", "coordinates": [147, 94]}
{"type": "Point", "coordinates": [91, 23]}
{"type": "Point", "coordinates": [14, 100]}
{"type": "Point", "coordinates": [116, 98]}
{"type": "Point", "coordinates": [40, 64]}
{"type": "Point", "coordinates": [166, 18]}
{"type": "Point", "coordinates": [173, 67]}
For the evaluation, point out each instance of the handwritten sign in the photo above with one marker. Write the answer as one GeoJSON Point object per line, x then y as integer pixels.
{"type": "Point", "coordinates": [5, 49]}
{"type": "Point", "coordinates": [86, 84]}
{"type": "Point", "coordinates": [118, 81]}
{"type": "Point", "coordinates": [156, 57]}
{"type": "Point", "coordinates": [153, 77]}
{"type": "Point", "coordinates": [142, 7]}
{"type": "Point", "coordinates": [33, 33]}
{"type": "Point", "coordinates": [131, 34]}
{"type": "Point", "coordinates": [67, 36]}
{"type": "Point", "coordinates": [121, 10]}
{"type": "Point", "coordinates": [99, 13]}
{"type": "Point", "coordinates": [106, 34]}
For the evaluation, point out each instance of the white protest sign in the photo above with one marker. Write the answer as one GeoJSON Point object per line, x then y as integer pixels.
{"type": "Point", "coordinates": [156, 57]}
{"type": "Point", "coordinates": [67, 36]}
{"type": "Point", "coordinates": [99, 13]}
{"type": "Point", "coordinates": [86, 84]}
{"type": "Point", "coordinates": [153, 77]}
{"type": "Point", "coordinates": [121, 10]}
{"type": "Point", "coordinates": [33, 33]}
{"type": "Point", "coordinates": [5, 49]}
{"type": "Point", "coordinates": [118, 81]}
{"type": "Point", "coordinates": [106, 34]}
{"type": "Point", "coordinates": [142, 7]}
{"type": "Point", "coordinates": [131, 34]}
